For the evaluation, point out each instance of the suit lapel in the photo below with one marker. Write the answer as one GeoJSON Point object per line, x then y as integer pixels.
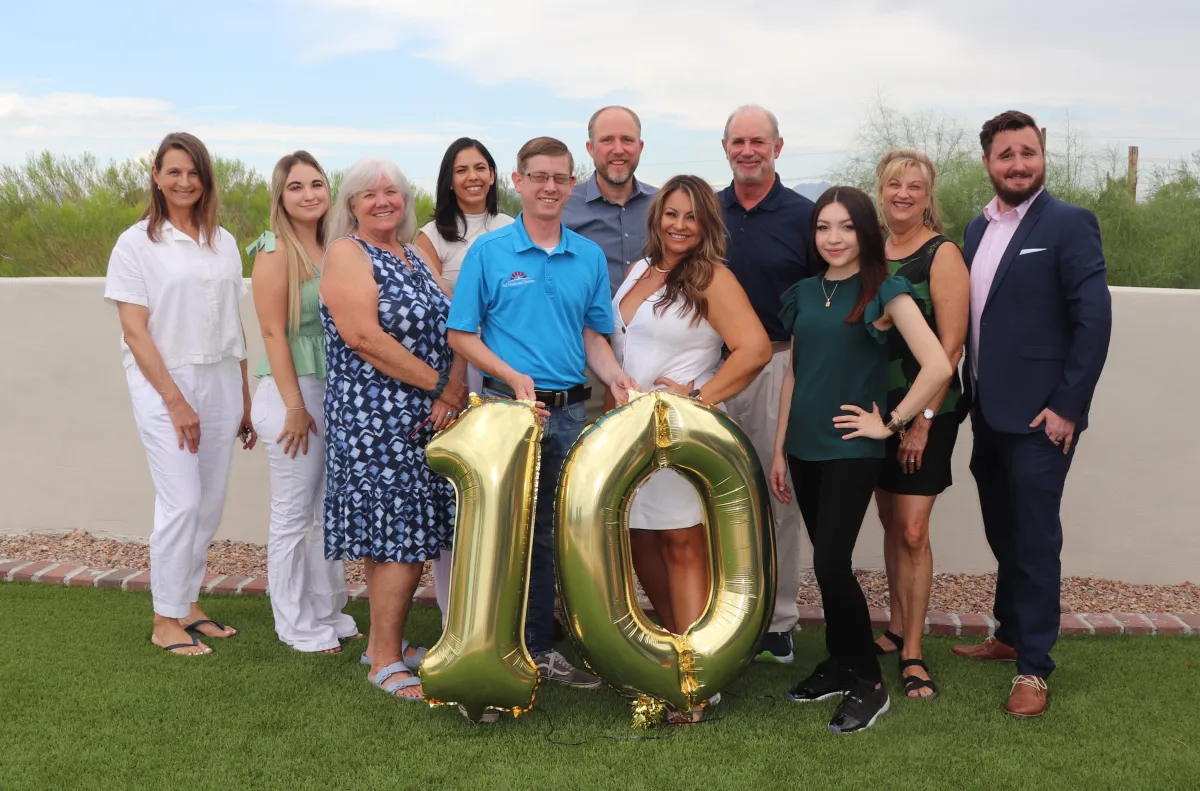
{"type": "Point", "coordinates": [972, 239]}
{"type": "Point", "coordinates": [1014, 246]}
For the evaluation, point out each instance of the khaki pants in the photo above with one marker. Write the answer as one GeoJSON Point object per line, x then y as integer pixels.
{"type": "Point", "coordinates": [756, 410]}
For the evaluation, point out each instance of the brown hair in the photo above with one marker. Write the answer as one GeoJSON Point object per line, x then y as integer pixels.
{"type": "Point", "coordinates": [689, 278]}
{"type": "Point", "coordinates": [205, 209]}
{"type": "Point", "coordinates": [543, 147]}
{"type": "Point", "coordinates": [872, 261]}
{"type": "Point", "coordinates": [299, 266]}
{"type": "Point", "coordinates": [892, 165]}
{"type": "Point", "coordinates": [1007, 121]}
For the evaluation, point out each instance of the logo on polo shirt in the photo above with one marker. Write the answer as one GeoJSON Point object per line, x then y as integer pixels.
{"type": "Point", "coordinates": [518, 278]}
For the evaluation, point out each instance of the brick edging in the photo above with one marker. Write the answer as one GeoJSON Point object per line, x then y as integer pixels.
{"type": "Point", "coordinates": [936, 623]}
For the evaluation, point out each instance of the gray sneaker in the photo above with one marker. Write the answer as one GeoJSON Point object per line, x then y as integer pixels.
{"type": "Point", "coordinates": [553, 666]}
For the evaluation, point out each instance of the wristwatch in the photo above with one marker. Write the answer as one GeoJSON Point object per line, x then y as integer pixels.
{"type": "Point", "coordinates": [927, 414]}
{"type": "Point", "coordinates": [695, 393]}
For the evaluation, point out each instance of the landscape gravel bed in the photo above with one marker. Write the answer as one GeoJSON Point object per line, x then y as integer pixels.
{"type": "Point", "coordinates": [951, 592]}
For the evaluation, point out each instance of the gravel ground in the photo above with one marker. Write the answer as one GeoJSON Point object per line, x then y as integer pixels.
{"type": "Point", "coordinates": [951, 592]}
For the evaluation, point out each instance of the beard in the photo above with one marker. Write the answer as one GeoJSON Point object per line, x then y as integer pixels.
{"type": "Point", "coordinates": [607, 174]}
{"type": "Point", "coordinates": [1017, 197]}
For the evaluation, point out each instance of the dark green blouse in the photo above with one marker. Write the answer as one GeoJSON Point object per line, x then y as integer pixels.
{"type": "Point", "coordinates": [835, 363]}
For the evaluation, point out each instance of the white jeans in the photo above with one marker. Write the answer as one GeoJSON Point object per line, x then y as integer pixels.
{"type": "Point", "coordinates": [756, 410]}
{"type": "Point", "coordinates": [189, 487]}
{"type": "Point", "coordinates": [308, 592]}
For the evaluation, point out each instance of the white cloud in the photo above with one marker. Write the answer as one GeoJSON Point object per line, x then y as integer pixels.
{"type": "Point", "coordinates": [819, 65]}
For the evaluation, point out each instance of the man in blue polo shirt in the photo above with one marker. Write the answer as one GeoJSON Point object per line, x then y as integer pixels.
{"type": "Point", "coordinates": [538, 294]}
{"type": "Point", "coordinates": [769, 238]}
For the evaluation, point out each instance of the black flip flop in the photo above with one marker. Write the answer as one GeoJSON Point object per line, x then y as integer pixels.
{"type": "Point", "coordinates": [913, 683]}
{"type": "Point", "coordinates": [170, 649]}
{"type": "Point", "coordinates": [896, 639]}
{"type": "Point", "coordinates": [193, 627]}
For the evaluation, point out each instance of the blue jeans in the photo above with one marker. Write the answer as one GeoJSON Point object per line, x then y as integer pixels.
{"type": "Point", "coordinates": [559, 433]}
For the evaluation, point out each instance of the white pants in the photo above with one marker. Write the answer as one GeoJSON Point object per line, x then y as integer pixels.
{"type": "Point", "coordinates": [756, 410]}
{"type": "Point", "coordinates": [189, 487]}
{"type": "Point", "coordinates": [308, 592]}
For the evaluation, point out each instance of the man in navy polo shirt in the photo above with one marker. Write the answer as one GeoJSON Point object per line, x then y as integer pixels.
{"type": "Point", "coordinates": [539, 295]}
{"type": "Point", "coordinates": [769, 238]}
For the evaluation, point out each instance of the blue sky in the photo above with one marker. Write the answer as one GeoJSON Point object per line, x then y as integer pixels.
{"type": "Point", "coordinates": [349, 78]}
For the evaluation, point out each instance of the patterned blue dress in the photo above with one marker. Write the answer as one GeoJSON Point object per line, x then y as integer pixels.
{"type": "Point", "coordinates": [381, 500]}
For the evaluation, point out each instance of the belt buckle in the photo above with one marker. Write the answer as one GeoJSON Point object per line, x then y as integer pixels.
{"type": "Point", "coordinates": [560, 398]}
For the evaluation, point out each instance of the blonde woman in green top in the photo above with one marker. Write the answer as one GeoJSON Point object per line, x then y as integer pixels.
{"type": "Point", "coordinates": [308, 592]}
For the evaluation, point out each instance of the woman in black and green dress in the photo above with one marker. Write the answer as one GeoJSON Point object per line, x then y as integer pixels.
{"type": "Point", "coordinates": [831, 433]}
{"type": "Point", "coordinates": [917, 469]}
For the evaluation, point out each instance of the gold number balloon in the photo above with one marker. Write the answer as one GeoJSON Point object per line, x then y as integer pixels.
{"type": "Point", "coordinates": [491, 453]}
{"type": "Point", "coordinates": [598, 482]}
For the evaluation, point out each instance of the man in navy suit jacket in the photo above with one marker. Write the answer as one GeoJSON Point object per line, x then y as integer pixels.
{"type": "Point", "coordinates": [1041, 317]}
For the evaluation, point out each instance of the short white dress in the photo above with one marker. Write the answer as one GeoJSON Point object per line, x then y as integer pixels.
{"type": "Point", "coordinates": [655, 345]}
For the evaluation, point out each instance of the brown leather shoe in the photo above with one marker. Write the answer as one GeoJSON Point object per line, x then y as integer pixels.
{"type": "Point", "coordinates": [990, 650]}
{"type": "Point", "coordinates": [1028, 697]}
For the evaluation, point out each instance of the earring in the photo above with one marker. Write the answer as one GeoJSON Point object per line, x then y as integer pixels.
{"type": "Point", "coordinates": [928, 217]}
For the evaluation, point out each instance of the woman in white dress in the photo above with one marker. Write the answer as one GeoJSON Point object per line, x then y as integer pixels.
{"type": "Point", "coordinates": [467, 207]}
{"type": "Point", "coordinates": [671, 317]}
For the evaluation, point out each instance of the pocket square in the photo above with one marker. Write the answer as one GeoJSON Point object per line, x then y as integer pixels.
{"type": "Point", "coordinates": [1029, 250]}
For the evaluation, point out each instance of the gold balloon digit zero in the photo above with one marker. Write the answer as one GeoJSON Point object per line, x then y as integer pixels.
{"type": "Point", "coordinates": [491, 453]}
{"type": "Point", "coordinates": [595, 573]}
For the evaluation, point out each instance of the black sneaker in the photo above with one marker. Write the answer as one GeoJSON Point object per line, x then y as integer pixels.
{"type": "Point", "coordinates": [776, 647]}
{"type": "Point", "coordinates": [827, 681]}
{"type": "Point", "coordinates": [865, 701]}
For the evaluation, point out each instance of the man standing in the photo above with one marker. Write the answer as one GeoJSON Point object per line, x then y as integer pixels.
{"type": "Point", "coordinates": [1041, 318]}
{"type": "Point", "coordinates": [610, 209]}
{"type": "Point", "coordinates": [769, 231]}
{"type": "Point", "coordinates": [538, 294]}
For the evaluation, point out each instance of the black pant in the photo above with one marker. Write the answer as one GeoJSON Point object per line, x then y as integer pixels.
{"type": "Point", "coordinates": [833, 497]}
{"type": "Point", "coordinates": [1021, 479]}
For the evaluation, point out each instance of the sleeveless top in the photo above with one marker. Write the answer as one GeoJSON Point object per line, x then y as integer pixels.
{"type": "Point", "coordinates": [452, 253]}
{"type": "Point", "coordinates": [903, 368]}
{"type": "Point", "coordinates": [666, 344]}
{"type": "Point", "coordinates": [307, 343]}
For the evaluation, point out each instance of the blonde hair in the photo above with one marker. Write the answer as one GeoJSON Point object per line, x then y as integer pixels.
{"type": "Point", "coordinates": [362, 175]}
{"type": "Point", "coordinates": [297, 262]}
{"type": "Point", "coordinates": [892, 165]}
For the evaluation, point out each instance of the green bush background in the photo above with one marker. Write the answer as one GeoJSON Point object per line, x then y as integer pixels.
{"type": "Point", "coordinates": [60, 215]}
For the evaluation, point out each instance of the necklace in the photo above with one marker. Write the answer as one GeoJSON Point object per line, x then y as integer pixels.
{"type": "Point", "coordinates": [829, 296]}
{"type": "Point", "coordinates": [658, 268]}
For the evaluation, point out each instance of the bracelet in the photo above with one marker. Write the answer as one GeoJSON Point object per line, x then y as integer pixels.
{"type": "Point", "coordinates": [443, 379]}
{"type": "Point", "coordinates": [300, 408]}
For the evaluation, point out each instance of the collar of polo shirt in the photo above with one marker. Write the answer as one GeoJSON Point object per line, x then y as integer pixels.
{"type": "Point", "coordinates": [768, 203]}
{"type": "Point", "coordinates": [522, 242]}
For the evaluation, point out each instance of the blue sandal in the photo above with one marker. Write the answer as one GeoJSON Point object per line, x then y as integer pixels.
{"type": "Point", "coordinates": [393, 687]}
{"type": "Point", "coordinates": [412, 663]}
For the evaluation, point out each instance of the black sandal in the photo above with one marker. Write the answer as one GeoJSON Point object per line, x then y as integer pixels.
{"type": "Point", "coordinates": [896, 639]}
{"type": "Point", "coordinates": [194, 626]}
{"type": "Point", "coordinates": [913, 683]}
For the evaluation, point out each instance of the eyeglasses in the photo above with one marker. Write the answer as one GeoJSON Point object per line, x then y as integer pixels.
{"type": "Point", "coordinates": [561, 179]}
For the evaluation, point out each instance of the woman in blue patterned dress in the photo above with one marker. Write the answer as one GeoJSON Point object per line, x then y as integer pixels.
{"type": "Point", "coordinates": [391, 384]}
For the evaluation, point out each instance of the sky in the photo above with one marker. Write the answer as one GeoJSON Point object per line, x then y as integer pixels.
{"type": "Point", "coordinates": [345, 79]}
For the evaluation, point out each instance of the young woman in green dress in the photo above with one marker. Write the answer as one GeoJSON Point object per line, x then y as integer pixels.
{"type": "Point", "coordinates": [831, 433]}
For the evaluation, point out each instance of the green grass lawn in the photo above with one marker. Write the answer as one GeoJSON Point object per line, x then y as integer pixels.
{"type": "Point", "coordinates": [86, 702]}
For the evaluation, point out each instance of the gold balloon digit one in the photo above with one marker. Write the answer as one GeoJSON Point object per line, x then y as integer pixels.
{"type": "Point", "coordinates": [491, 454]}
{"type": "Point", "coordinates": [595, 576]}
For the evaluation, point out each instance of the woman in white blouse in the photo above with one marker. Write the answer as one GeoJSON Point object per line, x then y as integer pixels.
{"type": "Point", "coordinates": [673, 314]}
{"type": "Point", "coordinates": [176, 279]}
{"type": "Point", "coordinates": [467, 207]}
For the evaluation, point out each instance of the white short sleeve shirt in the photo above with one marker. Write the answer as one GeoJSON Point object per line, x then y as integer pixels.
{"type": "Point", "coordinates": [192, 293]}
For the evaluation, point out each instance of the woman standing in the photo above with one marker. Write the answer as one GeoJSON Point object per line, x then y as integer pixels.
{"type": "Point", "coordinates": [467, 207]}
{"type": "Point", "coordinates": [384, 316]}
{"type": "Point", "coordinates": [176, 278]}
{"type": "Point", "coordinates": [831, 434]}
{"type": "Point", "coordinates": [673, 313]}
{"type": "Point", "coordinates": [308, 592]}
{"type": "Point", "coordinates": [916, 469]}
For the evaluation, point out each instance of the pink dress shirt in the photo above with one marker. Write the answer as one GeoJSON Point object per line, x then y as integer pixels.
{"type": "Point", "coordinates": [999, 233]}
